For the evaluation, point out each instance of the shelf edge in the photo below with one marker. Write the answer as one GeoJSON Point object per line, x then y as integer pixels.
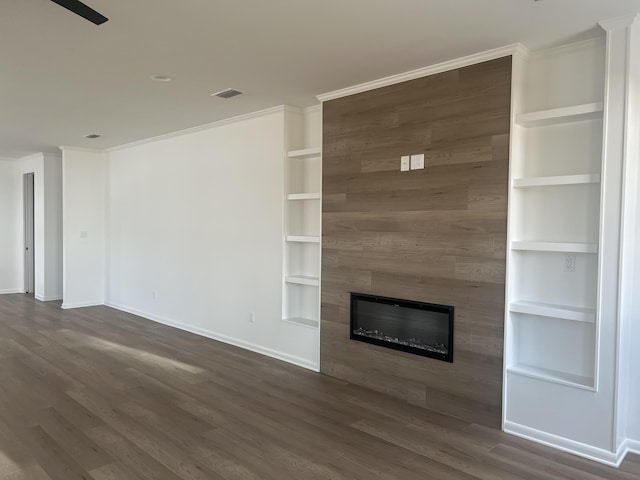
{"type": "Point", "coordinates": [303, 280]}
{"type": "Point", "coordinates": [303, 238]}
{"type": "Point", "coordinates": [556, 180]}
{"type": "Point", "coordinates": [522, 370]}
{"type": "Point", "coordinates": [305, 152]}
{"type": "Point", "coordinates": [553, 311]}
{"type": "Point", "coordinates": [558, 247]}
{"type": "Point", "coordinates": [304, 196]}
{"type": "Point", "coordinates": [560, 115]}
{"type": "Point", "coordinates": [303, 322]}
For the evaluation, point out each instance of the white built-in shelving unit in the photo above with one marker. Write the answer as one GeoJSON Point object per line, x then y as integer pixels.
{"type": "Point", "coordinates": [301, 299]}
{"type": "Point", "coordinates": [554, 213]}
{"type": "Point", "coordinates": [557, 212]}
{"type": "Point", "coordinates": [572, 237]}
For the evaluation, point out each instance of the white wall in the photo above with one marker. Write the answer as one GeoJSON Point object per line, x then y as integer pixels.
{"type": "Point", "coordinates": [633, 432]}
{"type": "Point", "coordinates": [633, 405]}
{"type": "Point", "coordinates": [52, 228]}
{"type": "Point", "coordinates": [633, 290]}
{"type": "Point", "coordinates": [313, 127]}
{"type": "Point", "coordinates": [195, 234]}
{"type": "Point", "coordinates": [624, 48]}
{"type": "Point", "coordinates": [84, 180]}
{"type": "Point", "coordinates": [10, 227]}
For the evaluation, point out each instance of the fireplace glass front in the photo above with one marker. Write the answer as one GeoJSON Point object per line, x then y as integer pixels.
{"type": "Point", "coordinates": [415, 327]}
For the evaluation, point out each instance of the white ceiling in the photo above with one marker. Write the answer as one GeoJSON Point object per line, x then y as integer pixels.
{"type": "Point", "coordinates": [62, 77]}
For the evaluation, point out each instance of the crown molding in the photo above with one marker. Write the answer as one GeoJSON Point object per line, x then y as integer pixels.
{"type": "Point", "coordinates": [33, 156]}
{"type": "Point", "coordinates": [206, 126]}
{"type": "Point", "coordinates": [425, 71]}
{"type": "Point", "coordinates": [289, 108]}
{"type": "Point", "coordinates": [311, 109]}
{"type": "Point", "coordinates": [620, 22]}
{"type": "Point", "coordinates": [69, 148]}
{"type": "Point", "coordinates": [586, 44]}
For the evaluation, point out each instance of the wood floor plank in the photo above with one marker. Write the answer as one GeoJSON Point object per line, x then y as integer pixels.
{"type": "Point", "coordinates": [53, 457]}
{"type": "Point", "coordinates": [99, 394]}
{"type": "Point", "coordinates": [130, 458]}
{"type": "Point", "coordinates": [76, 444]}
{"type": "Point", "coordinates": [113, 471]}
{"type": "Point", "coordinates": [31, 472]}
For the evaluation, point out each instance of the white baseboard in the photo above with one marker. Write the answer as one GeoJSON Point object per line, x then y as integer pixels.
{"type": "Point", "coordinates": [68, 306]}
{"type": "Point", "coordinates": [571, 446]}
{"type": "Point", "coordinates": [8, 292]}
{"type": "Point", "coordinates": [285, 357]}
{"type": "Point", "coordinates": [51, 298]}
{"type": "Point", "coordinates": [633, 446]}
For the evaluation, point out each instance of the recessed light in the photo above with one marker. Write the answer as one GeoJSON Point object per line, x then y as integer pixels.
{"type": "Point", "coordinates": [93, 135]}
{"type": "Point", "coordinates": [161, 78]}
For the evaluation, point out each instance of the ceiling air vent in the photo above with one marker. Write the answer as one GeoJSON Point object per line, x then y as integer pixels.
{"type": "Point", "coordinates": [228, 93]}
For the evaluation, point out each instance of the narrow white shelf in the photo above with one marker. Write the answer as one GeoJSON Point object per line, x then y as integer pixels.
{"type": "Point", "coordinates": [564, 312]}
{"type": "Point", "coordinates": [303, 196]}
{"type": "Point", "coordinates": [306, 152]}
{"type": "Point", "coordinates": [303, 238]}
{"type": "Point", "coordinates": [305, 322]}
{"type": "Point", "coordinates": [302, 280]}
{"type": "Point", "coordinates": [554, 376]}
{"type": "Point", "coordinates": [560, 247]}
{"type": "Point", "coordinates": [575, 113]}
{"type": "Point", "coordinates": [556, 180]}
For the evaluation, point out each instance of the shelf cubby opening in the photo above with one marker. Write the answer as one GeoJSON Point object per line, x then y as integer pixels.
{"type": "Point", "coordinates": [301, 304]}
{"type": "Point", "coordinates": [542, 277]}
{"type": "Point", "coordinates": [554, 349]}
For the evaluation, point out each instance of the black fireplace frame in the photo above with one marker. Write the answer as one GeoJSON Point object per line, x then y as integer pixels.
{"type": "Point", "coordinates": [431, 307]}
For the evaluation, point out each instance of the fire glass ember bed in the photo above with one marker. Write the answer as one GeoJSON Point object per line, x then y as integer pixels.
{"type": "Point", "coordinates": [415, 327]}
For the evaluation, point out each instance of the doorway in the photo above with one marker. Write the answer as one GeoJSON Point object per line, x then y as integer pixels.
{"type": "Point", "coordinates": [29, 240]}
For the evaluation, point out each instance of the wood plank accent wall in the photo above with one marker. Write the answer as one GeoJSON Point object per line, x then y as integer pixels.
{"type": "Point", "coordinates": [435, 235]}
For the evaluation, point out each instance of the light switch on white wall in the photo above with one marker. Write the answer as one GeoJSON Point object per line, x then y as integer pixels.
{"type": "Point", "coordinates": [84, 234]}
{"type": "Point", "coordinates": [417, 161]}
{"type": "Point", "coordinates": [404, 163]}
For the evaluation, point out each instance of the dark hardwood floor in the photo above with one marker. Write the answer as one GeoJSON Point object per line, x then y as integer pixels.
{"type": "Point", "coordinates": [99, 394]}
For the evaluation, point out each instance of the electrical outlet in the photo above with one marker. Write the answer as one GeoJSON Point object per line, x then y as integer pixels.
{"type": "Point", "coordinates": [252, 317]}
{"type": "Point", "coordinates": [569, 263]}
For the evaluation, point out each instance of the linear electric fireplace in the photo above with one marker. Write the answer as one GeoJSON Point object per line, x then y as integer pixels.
{"type": "Point", "coordinates": [415, 327]}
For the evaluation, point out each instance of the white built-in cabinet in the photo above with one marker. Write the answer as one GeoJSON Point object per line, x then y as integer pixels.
{"type": "Point", "coordinates": [554, 227]}
{"type": "Point", "coordinates": [554, 216]}
{"type": "Point", "coordinates": [302, 225]}
{"type": "Point", "coordinates": [566, 202]}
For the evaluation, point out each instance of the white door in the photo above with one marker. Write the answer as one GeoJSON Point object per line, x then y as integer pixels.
{"type": "Point", "coordinates": [29, 258]}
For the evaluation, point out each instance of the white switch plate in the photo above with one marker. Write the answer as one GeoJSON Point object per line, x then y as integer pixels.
{"type": "Point", "coordinates": [417, 161]}
{"type": "Point", "coordinates": [84, 234]}
{"type": "Point", "coordinates": [405, 161]}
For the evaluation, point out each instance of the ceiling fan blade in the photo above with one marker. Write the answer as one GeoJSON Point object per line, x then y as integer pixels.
{"type": "Point", "coordinates": [81, 9]}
